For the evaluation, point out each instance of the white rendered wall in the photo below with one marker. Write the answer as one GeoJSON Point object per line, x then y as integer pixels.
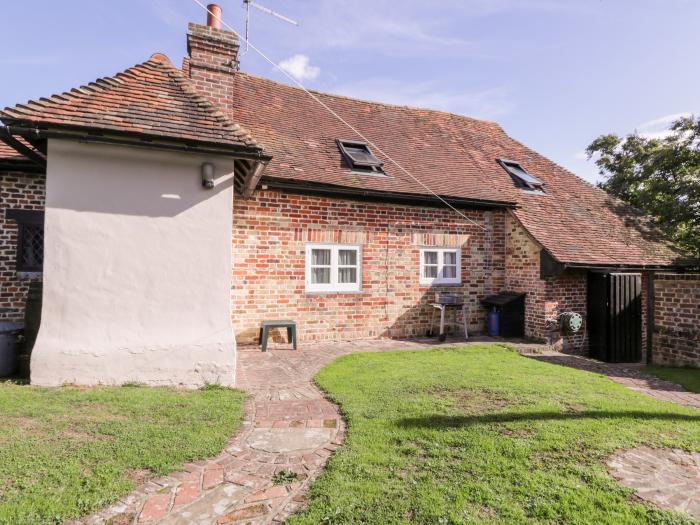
{"type": "Point", "coordinates": [137, 269]}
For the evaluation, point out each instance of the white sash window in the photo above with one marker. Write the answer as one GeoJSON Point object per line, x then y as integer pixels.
{"type": "Point", "coordinates": [333, 268]}
{"type": "Point", "coordinates": [440, 266]}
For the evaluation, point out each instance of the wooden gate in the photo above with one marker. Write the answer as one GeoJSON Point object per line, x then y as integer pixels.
{"type": "Point", "coordinates": [615, 316]}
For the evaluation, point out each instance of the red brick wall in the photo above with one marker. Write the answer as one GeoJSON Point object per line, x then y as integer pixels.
{"type": "Point", "coordinates": [269, 239]}
{"type": "Point", "coordinates": [19, 191]}
{"type": "Point", "coordinates": [567, 293]}
{"type": "Point", "coordinates": [523, 275]}
{"type": "Point", "coordinates": [546, 298]}
{"type": "Point", "coordinates": [676, 319]}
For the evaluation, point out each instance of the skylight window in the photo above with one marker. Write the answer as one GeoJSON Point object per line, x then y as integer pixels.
{"type": "Point", "coordinates": [359, 157]}
{"type": "Point", "coordinates": [521, 177]}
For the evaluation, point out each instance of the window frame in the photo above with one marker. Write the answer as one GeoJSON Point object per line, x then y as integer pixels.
{"type": "Point", "coordinates": [334, 286]}
{"type": "Point", "coordinates": [430, 281]}
{"type": "Point", "coordinates": [536, 185]}
{"type": "Point", "coordinates": [26, 219]}
{"type": "Point", "coordinates": [373, 167]}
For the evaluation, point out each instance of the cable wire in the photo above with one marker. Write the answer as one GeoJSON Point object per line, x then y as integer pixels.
{"type": "Point", "coordinates": [341, 119]}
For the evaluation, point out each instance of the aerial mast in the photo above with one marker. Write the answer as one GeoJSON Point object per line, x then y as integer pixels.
{"type": "Point", "coordinates": [248, 4]}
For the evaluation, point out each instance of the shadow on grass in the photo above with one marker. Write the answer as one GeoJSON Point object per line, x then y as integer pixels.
{"type": "Point", "coordinates": [442, 421]}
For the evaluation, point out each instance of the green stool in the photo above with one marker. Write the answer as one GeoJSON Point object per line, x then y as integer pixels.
{"type": "Point", "coordinates": [291, 327]}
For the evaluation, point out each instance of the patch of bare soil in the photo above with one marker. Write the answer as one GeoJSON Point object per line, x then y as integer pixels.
{"type": "Point", "coordinates": [573, 408]}
{"type": "Point", "coordinates": [516, 433]}
{"type": "Point", "coordinates": [487, 513]}
{"type": "Point", "coordinates": [19, 425]}
{"type": "Point", "coordinates": [477, 402]}
{"type": "Point", "coordinates": [25, 423]}
{"type": "Point", "coordinates": [139, 475]}
{"type": "Point", "coordinates": [121, 519]}
{"type": "Point", "coordinates": [78, 435]}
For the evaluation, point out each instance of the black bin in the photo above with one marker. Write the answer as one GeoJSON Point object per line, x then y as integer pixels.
{"type": "Point", "coordinates": [511, 306]}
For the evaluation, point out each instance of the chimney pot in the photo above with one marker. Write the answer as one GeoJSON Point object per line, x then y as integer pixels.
{"type": "Point", "coordinates": [214, 16]}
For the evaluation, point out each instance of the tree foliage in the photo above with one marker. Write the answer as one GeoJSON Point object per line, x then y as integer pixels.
{"type": "Point", "coordinates": [660, 176]}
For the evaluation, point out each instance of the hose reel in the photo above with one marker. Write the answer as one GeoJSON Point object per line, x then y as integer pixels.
{"type": "Point", "coordinates": [571, 321]}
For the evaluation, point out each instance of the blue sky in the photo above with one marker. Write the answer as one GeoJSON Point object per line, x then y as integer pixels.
{"type": "Point", "coordinates": [554, 73]}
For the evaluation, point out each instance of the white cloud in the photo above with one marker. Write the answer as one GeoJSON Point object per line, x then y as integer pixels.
{"type": "Point", "coordinates": [580, 155]}
{"type": "Point", "coordinates": [450, 28]}
{"type": "Point", "coordinates": [487, 103]}
{"type": "Point", "coordinates": [298, 66]}
{"type": "Point", "coordinates": [379, 26]}
{"type": "Point", "coordinates": [658, 127]}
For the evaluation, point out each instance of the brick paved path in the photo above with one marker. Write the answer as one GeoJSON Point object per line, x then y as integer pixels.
{"type": "Point", "coordinates": [629, 375]}
{"type": "Point", "coordinates": [290, 428]}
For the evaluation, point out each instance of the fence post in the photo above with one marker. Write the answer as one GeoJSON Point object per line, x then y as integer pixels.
{"type": "Point", "coordinates": [650, 317]}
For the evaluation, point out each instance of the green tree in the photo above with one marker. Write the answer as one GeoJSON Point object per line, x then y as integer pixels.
{"type": "Point", "coordinates": [660, 176]}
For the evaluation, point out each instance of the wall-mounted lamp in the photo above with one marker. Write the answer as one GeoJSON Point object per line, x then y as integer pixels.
{"type": "Point", "coordinates": [208, 175]}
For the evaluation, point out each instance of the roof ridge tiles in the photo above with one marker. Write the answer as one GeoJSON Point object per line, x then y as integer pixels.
{"type": "Point", "coordinates": [373, 102]}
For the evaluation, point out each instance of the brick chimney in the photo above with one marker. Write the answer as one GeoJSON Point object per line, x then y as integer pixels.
{"type": "Point", "coordinates": [213, 58]}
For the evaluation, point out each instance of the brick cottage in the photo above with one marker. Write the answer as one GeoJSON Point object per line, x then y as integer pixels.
{"type": "Point", "coordinates": [163, 205]}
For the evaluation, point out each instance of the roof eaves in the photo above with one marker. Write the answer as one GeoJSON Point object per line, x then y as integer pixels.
{"type": "Point", "coordinates": [317, 188]}
{"type": "Point", "coordinates": [155, 141]}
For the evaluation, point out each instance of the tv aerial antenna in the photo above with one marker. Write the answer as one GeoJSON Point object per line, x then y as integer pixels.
{"type": "Point", "coordinates": [248, 4]}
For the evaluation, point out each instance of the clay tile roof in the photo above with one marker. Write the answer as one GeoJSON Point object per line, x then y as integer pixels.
{"type": "Point", "coordinates": [9, 154]}
{"type": "Point", "coordinates": [454, 156]}
{"type": "Point", "coordinates": [152, 99]}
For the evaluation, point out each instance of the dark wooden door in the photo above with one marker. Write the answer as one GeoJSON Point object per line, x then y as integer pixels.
{"type": "Point", "coordinates": [615, 316]}
{"type": "Point", "coordinates": [597, 315]}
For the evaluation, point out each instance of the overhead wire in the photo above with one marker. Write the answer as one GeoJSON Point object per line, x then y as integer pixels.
{"type": "Point", "coordinates": [338, 117]}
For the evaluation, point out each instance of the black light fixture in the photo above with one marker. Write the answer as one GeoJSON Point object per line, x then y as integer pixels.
{"type": "Point", "coordinates": [208, 175]}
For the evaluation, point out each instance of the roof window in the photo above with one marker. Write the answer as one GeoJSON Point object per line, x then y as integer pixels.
{"type": "Point", "coordinates": [521, 177]}
{"type": "Point", "coordinates": [359, 157]}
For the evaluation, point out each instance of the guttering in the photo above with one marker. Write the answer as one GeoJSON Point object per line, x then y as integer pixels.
{"type": "Point", "coordinates": [551, 267]}
{"type": "Point", "coordinates": [636, 268]}
{"type": "Point", "coordinates": [36, 157]}
{"type": "Point", "coordinates": [329, 190]}
{"type": "Point", "coordinates": [142, 140]}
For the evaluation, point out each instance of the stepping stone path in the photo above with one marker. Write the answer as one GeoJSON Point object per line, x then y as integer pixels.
{"type": "Point", "coordinates": [667, 477]}
{"type": "Point", "coordinates": [670, 478]}
{"type": "Point", "coordinates": [288, 427]}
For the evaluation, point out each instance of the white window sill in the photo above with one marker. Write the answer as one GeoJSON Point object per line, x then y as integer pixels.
{"type": "Point", "coordinates": [337, 292]}
{"type": "Point", "coordinates": [440, 285]}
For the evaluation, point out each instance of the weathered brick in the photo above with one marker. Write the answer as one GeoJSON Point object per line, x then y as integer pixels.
{"type": "Point", "coordinates": [28, 192]}
{"type": "Point", "coordinates": [676, 319]}
{"type": "Point", "coordinates": [271, 232]}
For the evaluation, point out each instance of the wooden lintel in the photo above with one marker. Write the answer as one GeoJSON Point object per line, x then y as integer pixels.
{"type": "Point", "coordinates": [253, 178]}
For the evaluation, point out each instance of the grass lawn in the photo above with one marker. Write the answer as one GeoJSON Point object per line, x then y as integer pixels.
{"type": "Point", "coordinates": [483, 435]}
{"type": "Point", "coordinates": [688, 378]}
{"type": "Point", "coordinates": [65, 452]}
